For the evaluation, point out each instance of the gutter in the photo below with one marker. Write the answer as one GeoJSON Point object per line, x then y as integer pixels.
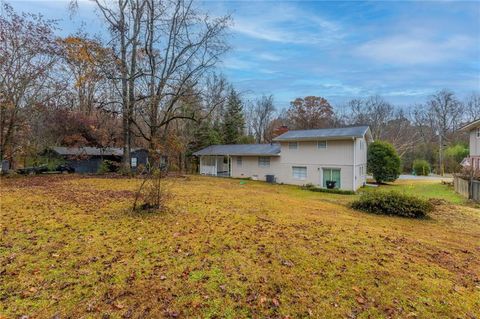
{"type": "Point", "coordinates": [354, 170]}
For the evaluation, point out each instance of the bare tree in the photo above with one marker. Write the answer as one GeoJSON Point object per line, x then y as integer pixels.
{"type": "Point", "coordinates": [262, 114]}
{"type": "Point", "coordinates": [181, 45]}
{"type": "Point", "coordinates": [125, 20]}
{"type": "Point", "coordinates": [374, 111]}
{"type": "Point", "coordinates": [472, 107]}
{"type": "Point", "coordinates": [445, 112]}
{"type": "Point", "coordinates": [28, 53]}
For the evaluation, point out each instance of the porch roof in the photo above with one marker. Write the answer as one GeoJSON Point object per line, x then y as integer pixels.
{"type": "Point", "coordinates": [241, 150]}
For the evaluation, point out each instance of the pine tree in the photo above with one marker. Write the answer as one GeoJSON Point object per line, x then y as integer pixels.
{"type": "Point", "coordinates": [234, 120]}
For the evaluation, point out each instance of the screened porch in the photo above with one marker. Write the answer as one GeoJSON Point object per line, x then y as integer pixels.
{"type": "Point", "coordinates": [216, 165]}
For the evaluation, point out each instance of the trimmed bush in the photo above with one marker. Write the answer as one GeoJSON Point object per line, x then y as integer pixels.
{"type": "Point", "coordinates": [383, 162]}
{"type": "Point", "coordinates": [421, 167]}
{"type": "Point", "coordinates": [393, 203]}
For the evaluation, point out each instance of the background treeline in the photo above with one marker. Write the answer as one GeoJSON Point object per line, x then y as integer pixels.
{"type": "Point", "coordinates": [151, 80]}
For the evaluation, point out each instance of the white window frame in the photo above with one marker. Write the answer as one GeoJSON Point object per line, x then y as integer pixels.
{"type": "Point", "coordinates": [292, 145]}
{"type": "Point", "coordinates": [322, 148]}
{"type": "Point", "coordinates": [133, 162]}
{"type": "Point", "coordinates": [362, 145]}
{"type": "Point", "coordinates": [239, 161]}
{"type": "Point", "coordinates": [263, 161]}
{"type": "Point", "coordinates": [300, 176]}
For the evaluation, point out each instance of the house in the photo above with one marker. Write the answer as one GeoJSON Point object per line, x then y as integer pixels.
{"type": "Point", "coordinates": [473, 160]}
{"type": "Point", "coordinates": [89, 159]}
{"type": "Point", "coordinates": [296, 157]}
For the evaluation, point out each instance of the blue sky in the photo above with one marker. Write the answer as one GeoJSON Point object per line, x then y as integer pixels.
{"type": "Point", "coordinates": [404, 51]}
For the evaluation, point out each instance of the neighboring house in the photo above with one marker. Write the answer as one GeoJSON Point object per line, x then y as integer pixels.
{"type": "Point", "coordinates": [473, 160]}
{"type": "Point", "coordinates": [296, 157]}
{"type": "Point", "coordinates": [89, 159]}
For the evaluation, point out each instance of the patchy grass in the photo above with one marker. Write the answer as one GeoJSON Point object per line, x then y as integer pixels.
{"type": "Point", "coordinates": [423, 188]}
{"type": "Point", "coordinates": [69, 246]}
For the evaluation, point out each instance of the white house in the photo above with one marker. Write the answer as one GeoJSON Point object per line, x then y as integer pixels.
{"type": "Point", "coordinates": [296, 157]}
{"type": "Point", "coordinates": [473, 129]}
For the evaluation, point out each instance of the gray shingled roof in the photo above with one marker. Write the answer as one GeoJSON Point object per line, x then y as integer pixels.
{"type": "Point", "coordinates": [470, 126]}
{"type": "Point", "coordinates": [241, 150]}
{"type": "Point", "coordinates": [326, 133]}
{"type": "Point", "coordinates": [90, 151]}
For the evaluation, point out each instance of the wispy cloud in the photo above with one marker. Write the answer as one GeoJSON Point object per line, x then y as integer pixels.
{"type": "Point", "coordinates": [414, 49]}
{"type": "Point", "coordinates": [284, 23]}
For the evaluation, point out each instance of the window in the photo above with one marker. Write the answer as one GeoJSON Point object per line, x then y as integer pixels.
{"type": "Point", "coordinates": [239, 161]}
{"type": "Point", "coordinates": [478, 132]}
{"type": "Point", "coordinates": [293, 145]}
{"type": "Point", "coordinates": [264, 161]}
{"type": "Point", "coordinates": [322, 144]}
{"type": "Point", "coordinates": [299, 172]}
{"type": "Point", "coordinates": [134, 162]}
{"type": "Point", "coordinates": [362, 144]}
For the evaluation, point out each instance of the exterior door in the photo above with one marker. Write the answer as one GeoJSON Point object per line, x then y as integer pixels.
{"type": "Point", "coordinates": [331, 174]}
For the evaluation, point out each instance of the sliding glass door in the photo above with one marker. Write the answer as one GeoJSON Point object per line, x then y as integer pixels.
{"type": "Point", "coordinates": [331, 174]}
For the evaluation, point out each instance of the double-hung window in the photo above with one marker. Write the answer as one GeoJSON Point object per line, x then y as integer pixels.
{"type": "Point", "coordinates": [239, 161]}
{"type": "Point", "coordinates": [322, 144]}
{"type": "Point", "coordinates": [299, 172]}
{"type": "Point", "coordinates": [478, 132]}
{"type": "Point", "coordinates": [264, 161]}
{"type": "Point", "coordinates": [293, 145]}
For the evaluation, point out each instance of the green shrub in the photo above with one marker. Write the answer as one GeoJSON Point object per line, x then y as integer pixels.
{"type": "Point", "coordinates": [393, 203]}
{"type": "Point", "coordinates": [108, 167]}
{"type": "Point", "coordinates": [313, 188]}
{"type": "Point", "coordinates": [383, 162]}
{"type": "Point", "coordinates": [421, 167]}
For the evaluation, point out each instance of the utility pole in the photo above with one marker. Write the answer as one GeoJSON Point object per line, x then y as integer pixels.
{"type": "Point", "coordinates": [440, 153]}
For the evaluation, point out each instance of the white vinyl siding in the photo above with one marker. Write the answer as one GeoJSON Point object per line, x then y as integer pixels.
{"type": "Point", "coordinates": [264, 161]}
{"type": "Point", "coordinates": [299, 172]}
{"type": "Point", "coordinates": [293, 145]}
{"type": "Point", "coordinates": [322, 144]}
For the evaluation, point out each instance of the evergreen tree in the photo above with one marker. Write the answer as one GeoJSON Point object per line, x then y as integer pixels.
{"type": "Point", "coordinates": [234, 120]}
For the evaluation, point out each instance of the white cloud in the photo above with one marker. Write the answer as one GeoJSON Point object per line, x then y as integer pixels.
{"type": "Point", "coordinates": [284, 23]}
{"type": "Point", "coordinates": [269, 57]}
{"type": "Point", "coordinates": [413, 49]}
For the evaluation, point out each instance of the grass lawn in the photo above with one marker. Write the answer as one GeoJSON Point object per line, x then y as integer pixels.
{"type": "Point", "coordinates": [423, 188]}
{"type": "Point", "coordinates": [69, 246]}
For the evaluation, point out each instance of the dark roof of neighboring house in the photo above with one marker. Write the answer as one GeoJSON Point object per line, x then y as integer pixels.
{"type": "Point", "coordinates": [90, 151]}
{"type": "Point", "coordinates": [470, 125]}
{"type": "Point", "coordinates": [241, 150]}
{"type": "Point", "coordinates": [324, 133]}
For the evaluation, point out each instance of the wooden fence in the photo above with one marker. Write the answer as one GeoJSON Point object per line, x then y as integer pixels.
{"type": "Point", "coordinates": [466, 188]}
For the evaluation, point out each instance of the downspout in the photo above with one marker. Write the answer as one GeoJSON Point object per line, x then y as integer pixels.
{"type": "Point", "coordinates": [354, 170]}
